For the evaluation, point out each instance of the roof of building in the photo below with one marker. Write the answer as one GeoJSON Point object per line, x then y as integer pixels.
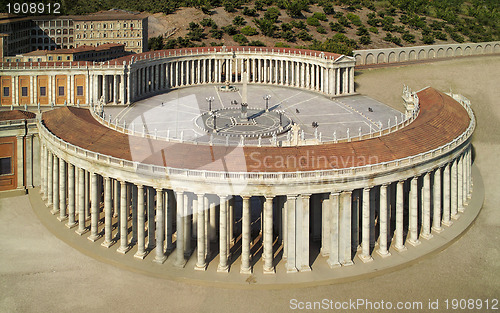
{"type": "Point", "coordinates": [86, 48]}
{"type": "Point", "coordinates": [16, 115]}
{"type": "Point", "coordinates": [441, 119]}
{"type": "Point", "coordinates": [113, 14]}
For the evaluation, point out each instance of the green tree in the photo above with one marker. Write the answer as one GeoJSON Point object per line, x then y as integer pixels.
{"type": "Point", "coordinates": [249, 31]}
{"type": "Point", "coordinates": [239, 21]}
{"type": "Point", "coordinates": [267, 27]}
{"type": "Point", "coordinates": [312, 21]}
{"type": "Point", "coordinates": [239, 38]}
{"type": "Point", "coordinates": [155, 43]}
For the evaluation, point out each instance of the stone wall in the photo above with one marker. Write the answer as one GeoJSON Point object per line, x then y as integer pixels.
{"type": "Point", "coordinates": [405, 54]}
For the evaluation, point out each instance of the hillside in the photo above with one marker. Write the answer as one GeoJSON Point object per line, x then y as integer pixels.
{"type": "Point", "coordinates": [337, 26]}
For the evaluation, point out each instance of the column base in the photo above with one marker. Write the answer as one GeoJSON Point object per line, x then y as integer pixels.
{"type": "Point", "coordinates": [324, 252]}
{"type": "Point", "coordinates": [160, 259]}
{"type": "Point", "coordinates": [140, 255]}
{"type": "Point", "coordinates": [222, 269]}
{"type": "Point", "coordinates": [365, 258]}
{"type": "Point", "coordinates": [270, 270]}
{"type": "Point", "coordinates": [180, 264]}
{"type": "Point", "coordinates": [94, 238]}
{"type": "Point", "coordinates": [62, 218]}
{"type": "Point", "coordinates": [448, 223]}
{"type": "Point", "coordinates": [71, 225]}
{"type": "Point", "coordinates": [81, 232]}
{"type": "Point", "coordinates": [413, 242]}
{"type": "Point", "coordinates": [54, 212]}
{"type": "Point", "coordinates": [246, 270]}
{"type": "Point", "coordinates": [108, 244]}
{"type": "Point", "coordinates": [123, 250]}
{"type": "Point", "coordinates": [400, 248]}
{"type": "Point", "coordinates": [455, 216]}
{"type": "Point", "coordinates": [437, 229]}
{"type": "Point", "coordinates": [292, 269]}
{"type": "Point", "coordinates": [426, 236]}
{"type": "Point", "coordinates": [383, 254]}
{"type": "Point", "coordinates": [333, 264]}
{"type": "Point", "coordinates": [461, 209]}
{"type": "Point", "coordinates": [305, 268]}
{"type": "Point", "coordinates": [347, 263]}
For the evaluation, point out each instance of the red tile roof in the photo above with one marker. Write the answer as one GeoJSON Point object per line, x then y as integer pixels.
{"type": "Point", "coordinates": [441, 120]}
{"type": "Point", "coordinates": [16, 115]}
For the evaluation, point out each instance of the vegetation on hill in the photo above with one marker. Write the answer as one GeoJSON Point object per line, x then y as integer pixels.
{"type": "Point", "coordinates": [337, 26]}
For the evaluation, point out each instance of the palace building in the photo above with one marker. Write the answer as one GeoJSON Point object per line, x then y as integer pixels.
{"type": "Point", "coordinates": [252, 176]}
{"type": "Point", "coordinates": [24, 34]}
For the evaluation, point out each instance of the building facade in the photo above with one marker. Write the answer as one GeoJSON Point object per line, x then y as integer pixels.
{"type": "Point", "coordinates": [25, 34]}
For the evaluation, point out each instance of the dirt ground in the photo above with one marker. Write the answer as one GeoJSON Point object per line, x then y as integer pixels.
{"type": "Point", "coordinates": [160, 23]}
{"type": "Point", "coordinates": [39, 273]}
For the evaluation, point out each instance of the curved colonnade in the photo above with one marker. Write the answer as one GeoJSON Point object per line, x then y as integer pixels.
{"type": "Point", "coordinates": [128, 79]}
{"type": "Point", "coordinates": [180, 199]}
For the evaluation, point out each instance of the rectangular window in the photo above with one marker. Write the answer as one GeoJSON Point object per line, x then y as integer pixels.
{"type": "Point", "coordinates": [61, 91]}
{"type": "Point", "coordinates": [5, 91]}
{"type": "Point", "coordinates": [59, 58]}
{"type": "Point", "coordinates": [67, 58]}
{"type": "Point", "coordinates": [24, 91]}
{"type": "Point", "coordinates": [50, 58]}
{"type": "Point", "coordinates": [43, 92]}
{"type": "Point", "coordinates": [5, 166]}
{"type": "Point", "coordinates": [79, 90]}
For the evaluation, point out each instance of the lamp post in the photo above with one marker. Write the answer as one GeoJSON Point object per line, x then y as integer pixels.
{"type": "Point", "coordinates": [267, 97]}
{"type": "Point", "coordinates": [209, 100]}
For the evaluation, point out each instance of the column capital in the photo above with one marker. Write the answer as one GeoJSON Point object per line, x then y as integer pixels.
{"type": "Point", "coordinates": [269, 197]}
{"type": "Point", "coordinates": [245, 197]}
{"type": "Point", "coordinates": [335, 193]}
{"type": "Point", "coordinates": [305, 195]}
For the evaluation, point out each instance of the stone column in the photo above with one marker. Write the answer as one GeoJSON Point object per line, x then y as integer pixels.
{"type": "Point", "coordinates": [351, 80]}
{"type": "Point", "coordinates": [43, 170]}
{"type": "Point", "coordinates": [108, 214]}
{"type": "Point", "coordinates": [334, 229]}
{"type": "Point", "coordinates": [141, 233]}
{"type": "Point", "coordinates": [94, 209]}
{"type": "Point", "coordinates": [426, 208]}
{"type": "Point", "coordinates": [245, 237]}
{"type": "Point", "coordinates": [131, 90]}
{"type": "Point", "coordinates": [446, 196]}
{"type": "Point", "coordinates": [268, 236]}
{"type": "Point", "coordinates": [181, 262]}
{"type": "Point", "coordinates": [291, 259]}
{"type": "Point", "coordinates": [413, 227]}
{"type": "Point", "coordinates": [124, 246]}
{"type": "Point", "coordinates": [382, 251]}
{"type": "Point", "coordinates": [151, 217]}
{"type": "Point", "coordinates": [62, 190]}
{"type": "Point", "coordinates": [168, 222]}
{"type": "Point", "coordinates": [460, 197]}
{"type": "Point", "coordinates": [71, 196]}
{"type": "Point", "coordinates": [133, 195]}
{"type": "Point", "coordinates": [345, 229]}
{"type": "Point", "coordinates": [187, 227]}
{"type": "Point", "coordinates": [454, 190]}
{"type": "Point", "coordinates": [55, 185]}
{"type": "Point", "coordinates": [160, 255]}
{"type": "Point", "coordinates": [326, 209]}
{"type": "Point", "coordinates": [50, 178]}
{"type": "Point", "coordinates": [223, 252]}
{"type": "Point", "coordinates": [81, 206]}
{"type": "Point", "coordinates": [399, 246]}
{"type": "Point", "coordinates": [200, 244]}
{"type": "Point", "coordinates": [338, 78]}
{"type": "Point", "coordinates": [436, 210]}
{"type": "Point", "coordinates": [303, 254]}
{"type": "Point", "coordinates": [365, 243]}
